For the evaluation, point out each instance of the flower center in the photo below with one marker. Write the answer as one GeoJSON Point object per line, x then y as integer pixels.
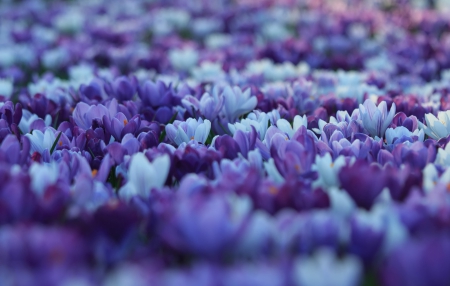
{"type": "Point", "coordinates": [94, 172]}
{"type": "Point", "coordinates": [125, 122]}
{"type": "Point", "coordinates": [273, 190]}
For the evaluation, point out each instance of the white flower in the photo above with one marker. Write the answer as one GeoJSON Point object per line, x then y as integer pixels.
{"type": "Point", "coordinates": [55, 58]}
{"type": "Point", "coordinates": [184, 59]}
{"type": "Point", "coordinates": [7, 57]}
{"type": "Point", "coordinates": [6, 87]}
{"type": "Point", "coordinates": [237, 102]}
{"type": "Point", "coordinates": [328, 170]}
{"type": "Point", "coordinates": [216, 41]}
{"type": "Point", "coordinates": [42, 176]}
{"type": "Point", "coordinates": [28, 118]}
{"type": "Point", "coordinates": [41, 141]}
{"type": "Point", "coordinates": [286, 127]}
{"type": "Point", "coordinates": [395, 232]}
{"type": "Point", "coordinates": [400, 131]}
{"type": "Point", "coordinates": [437, 128]}
{"type": "Point", "coordinates": [191, 129]}
{"type": "Point", "coordinates": [71, 21]}
{"type": "Point", "coordinates": [272, 171]}
{"type": "Point", "coordinates": [208, 72]}
{"type": "Point", "coordinates": [275, 31]}
{"type": "Point", "coordinates": [430, 177]}
{"type": "Point", "coordinates": [341, 202]}
{"type": "Point", "coordinates": [443, 156]}
{"type": "Point", "coordinates": [246, 124]}
{"type": "Point", "coordinates": [324, 269]}
{"type": "Point", "coordinates": [143, 175]}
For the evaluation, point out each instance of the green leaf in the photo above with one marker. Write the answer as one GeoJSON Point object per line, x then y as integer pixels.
{"type": "Point", "coordinates": [55, 142]}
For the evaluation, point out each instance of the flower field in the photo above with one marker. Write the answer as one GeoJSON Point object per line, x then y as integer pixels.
{"type": "Point", "coordinates": [225, 143]}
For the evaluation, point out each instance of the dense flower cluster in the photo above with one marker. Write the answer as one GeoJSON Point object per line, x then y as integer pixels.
{"type": "Point", "coordinates": [242, 142]}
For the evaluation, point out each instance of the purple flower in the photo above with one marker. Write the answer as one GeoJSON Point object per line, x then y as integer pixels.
{"type": "Point", "coordinates": [421, 261]}
{"type": "Point", "coordinates": [119, 125]}
{"type": "Point", "coordinates": [205, 225]}
{"type": "Point", "coordinates": [84, 114]}
{"type": "Point", "coordinates": [376, 119]}
{"type": "Point", "coordinates": [363, 182]}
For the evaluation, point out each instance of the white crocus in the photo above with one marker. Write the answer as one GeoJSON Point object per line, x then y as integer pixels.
{"type": "Point", "coordinates": [144, 175]}
{"type": "Point", "coordinates": [324, 269]}
{"type": "Point", "coordinates": [28, 118]}
{"type": "Point", "coordinates": [286, 127]}
{"type": "Point", "coordinates": [237, 102]}
{"type": "Point", "coordinates": [400, 131]}
{"type": "Point", "coordinates": [260, 125]}
{"type": "Point", "coordinates": [6, 87]}
{"type": "Point", "coordinates": [328, 170]}
{"type": "Point", "coordinates": [184, 59]}
{"type": "Point", "coordinates": [430, 177]}
{"type": "Point", "coordinates": [191, 129]}
{"type": "Point", "coordinates": [443, 156]}
{"type": "Point", "coordinates": [340, 202]}
{"type": "Point", "coordinates": [272, 171]}
{"type": "Point", "coordinates": [395, 232]}
{"type": "Point", "coordinates": [439, 127]}
{"type": "Point", "coordinates": [208, 72]}
{"type": "Point", "coordinates": [42, 176]}
{"type": "Point", "coordinates": [41, 141]}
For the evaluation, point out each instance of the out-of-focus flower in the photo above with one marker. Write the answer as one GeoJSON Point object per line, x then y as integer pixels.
{"type": "Point", "coordinates": [318, 269]}
{"type": "Point", "coordinates": [6, 87]}
{"type": "Point", "coordinates": [184, 59]}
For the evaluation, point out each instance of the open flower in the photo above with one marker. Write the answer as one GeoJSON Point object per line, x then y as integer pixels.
{"type": "Point", "coordinates": [376, 119]}
{"type": "Point", "coordinates": [237, 102]}
{"type": "Point", "coordinates": [437, 128]}
{"type": "Point", "coordinates": [191, 129]}
{"type": "Point", "coordinates": [143, 176]}
{"type": "Point", "coordinates": [286, 127]}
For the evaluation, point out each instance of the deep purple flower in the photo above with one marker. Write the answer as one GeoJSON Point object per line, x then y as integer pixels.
{"type": "Point", "coordinates": [363, 182]}
{"type": "Point", "coordinates": [422, 261]}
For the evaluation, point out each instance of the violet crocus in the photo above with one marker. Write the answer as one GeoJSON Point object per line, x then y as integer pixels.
{"type": "Point", "coordinates": [362, 188]}
{"type": "Point", "coordinates": [119, 125]}
{"type": "Point", "coordinates": [211, 104]}
{"type": "Point", "coordinates": [122, 88]}
{"type": "Point", "coordinates": [376, 119]}
{"type": "Point", "coordinates": [420, 261]}
{"type": "Point", "coordinates": [84, 114]}
{"type": "Point", "coordinates": [205, 225]}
